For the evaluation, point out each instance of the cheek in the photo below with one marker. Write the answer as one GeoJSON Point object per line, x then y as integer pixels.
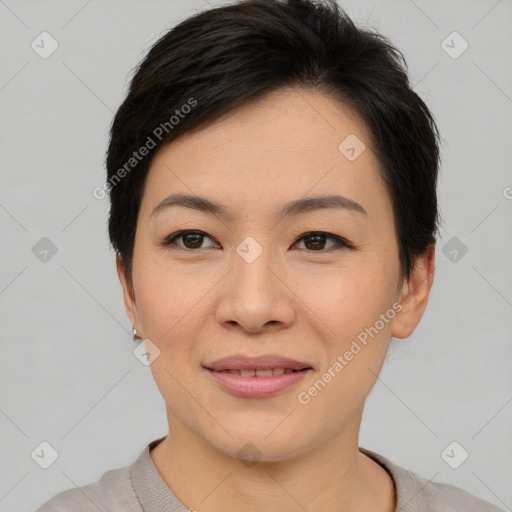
{"type": "Point", "coordinates": [354, 310]}
{"type": "Point", "coordinates": [354, 314]}
{"type": "Point", "coordinates": [168, 298]}
{"type": "Point", "coordinates": [170, 307]}
{"type": "Point", "coordinates": [347, 300]}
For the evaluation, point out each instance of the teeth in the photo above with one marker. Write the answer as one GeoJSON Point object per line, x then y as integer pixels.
{"type": "Point", "coordinates": [259, 373]}
{"type": "Point", "coordinates": [263, 373]}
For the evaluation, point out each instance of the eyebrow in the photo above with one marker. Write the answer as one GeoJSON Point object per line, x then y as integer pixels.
{"type": "Point", "coordinates": [291, 208]}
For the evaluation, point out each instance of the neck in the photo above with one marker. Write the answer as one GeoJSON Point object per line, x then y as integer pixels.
{"type": "Point", "coordinates": [330, 476]}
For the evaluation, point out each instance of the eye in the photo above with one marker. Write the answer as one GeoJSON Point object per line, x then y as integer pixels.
{"type": "Point", "coordinates": [193, 239]}
{"type": "Point", "coordinates": [315, 241]}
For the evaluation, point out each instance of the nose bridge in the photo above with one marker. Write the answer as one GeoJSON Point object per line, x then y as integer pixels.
{"type": "Point", "coordinates": [255, 297]}
{"type": "Point", "coordinates": [252, 269]}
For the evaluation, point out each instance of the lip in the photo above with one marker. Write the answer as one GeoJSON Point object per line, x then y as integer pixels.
{"type": "Point", "coordinates": [256, 387]}
{"type": "Point", "coordinates": [262, 362]}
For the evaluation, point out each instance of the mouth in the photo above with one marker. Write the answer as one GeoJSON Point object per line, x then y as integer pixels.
{"type": "Point", "coordinates": [257, 383]}
{"type": "Point", "coordinates": [260, 373]}
{"type": "Point", "coordinates": [265, 362]}
{"type": "Point", "coordinates": [256, 376]}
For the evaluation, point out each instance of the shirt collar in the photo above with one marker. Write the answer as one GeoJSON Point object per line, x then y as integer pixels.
{"type": "Point", "coordinates": [409, 487]}
{"type": "Point", "coordinates": [151, 490]}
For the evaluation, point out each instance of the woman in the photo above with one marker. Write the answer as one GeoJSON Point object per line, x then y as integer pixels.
{"type": "Point", "coordinates": [272, 179]}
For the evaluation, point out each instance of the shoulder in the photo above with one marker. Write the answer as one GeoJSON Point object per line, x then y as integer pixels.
{"type": "Point", "coordinates": [416, 494]}
{"type": "Point", "coordinates": [85, 499]}
{"type": "Point", "coordinates": [445, 497]}
{"type": "Point", "coordinates": [113, 491]}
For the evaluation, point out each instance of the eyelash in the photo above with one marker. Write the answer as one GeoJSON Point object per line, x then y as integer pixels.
{"type": "Point", "coordinates": [341, 242]}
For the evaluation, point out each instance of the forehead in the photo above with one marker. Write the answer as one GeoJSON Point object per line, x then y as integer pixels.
{"type": "Point", "coordinates": [286, 145]}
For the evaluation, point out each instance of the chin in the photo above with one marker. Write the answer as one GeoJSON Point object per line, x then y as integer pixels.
{"type": "Point", "coordinates": [256, 444]}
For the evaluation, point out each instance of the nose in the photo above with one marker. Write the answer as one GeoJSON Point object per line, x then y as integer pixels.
{"type": "Point", "coordinates": [256, 297]}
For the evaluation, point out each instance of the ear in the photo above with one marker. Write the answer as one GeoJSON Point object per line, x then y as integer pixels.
{"type": "Point", "coordinates": [128, 293]}
{"type": "Point", "coordinates": [414, 295]}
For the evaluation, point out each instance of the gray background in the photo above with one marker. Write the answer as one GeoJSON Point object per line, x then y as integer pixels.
{"type": "Point", "coordinates": [67, 372]}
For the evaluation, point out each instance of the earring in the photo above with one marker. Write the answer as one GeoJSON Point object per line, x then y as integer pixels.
{"type": "Point", "coordinates": [135, 336]}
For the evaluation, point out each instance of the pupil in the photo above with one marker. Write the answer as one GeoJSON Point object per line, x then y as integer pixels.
{"type": "Point", "coordinates": [316, 237]}
{"type": "Point", "coordinates": [197, 241]}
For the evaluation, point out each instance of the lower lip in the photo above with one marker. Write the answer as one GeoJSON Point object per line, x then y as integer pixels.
{"type": "Point", "coordinates": [256, 387]}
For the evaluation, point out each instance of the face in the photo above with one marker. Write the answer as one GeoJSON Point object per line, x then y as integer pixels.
{"type": "Point", "coordinates": [245, 279]}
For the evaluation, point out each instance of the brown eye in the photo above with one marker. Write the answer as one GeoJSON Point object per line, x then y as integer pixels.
{"type": "Point", "coordinates": [316, 240]}
{"type": "Point", "coordinates": [191, 239]}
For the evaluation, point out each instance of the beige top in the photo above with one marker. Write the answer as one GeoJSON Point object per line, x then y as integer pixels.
{"type": "Point", "coordinates": [140, 488]}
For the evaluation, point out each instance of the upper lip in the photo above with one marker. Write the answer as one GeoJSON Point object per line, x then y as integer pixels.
{"type": "Point", "coordinates": [263, 362]}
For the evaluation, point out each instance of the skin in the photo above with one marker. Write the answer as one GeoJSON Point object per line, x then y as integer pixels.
{"type": "Point", "coordinates": [300, 299]}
